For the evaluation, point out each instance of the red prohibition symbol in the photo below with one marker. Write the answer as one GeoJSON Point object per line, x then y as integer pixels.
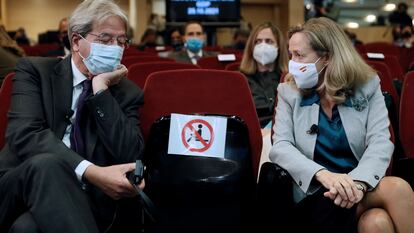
{"type": "Point", "coordinates": [206, 143]}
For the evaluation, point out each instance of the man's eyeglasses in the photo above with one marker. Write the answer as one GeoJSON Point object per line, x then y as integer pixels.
{"type": "Point", "coordinates": [107, 39]}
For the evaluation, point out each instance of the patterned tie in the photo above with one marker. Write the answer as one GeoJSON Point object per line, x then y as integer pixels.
{"type": "Point", "coordinates": [76, 138]}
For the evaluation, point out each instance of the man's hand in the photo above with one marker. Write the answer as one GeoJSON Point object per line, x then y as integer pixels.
{"type": "Point", "coordinates": [112, 180]}
{"type": "Point", "coordinates": [105, 80]}
{"type": "Point", "coordinates": [342, 189]}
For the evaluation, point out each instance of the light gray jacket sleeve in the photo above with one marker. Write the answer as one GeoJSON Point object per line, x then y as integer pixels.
{"type": "Point", "coordinates": [379, 148]}
{"type": "Point", "coordinates": [284, 151]}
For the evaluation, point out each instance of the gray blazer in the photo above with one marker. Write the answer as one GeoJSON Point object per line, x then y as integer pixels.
{"type": "Point", "coordinates": [366, 127]}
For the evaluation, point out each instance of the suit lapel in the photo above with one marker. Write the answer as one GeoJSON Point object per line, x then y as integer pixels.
{"type": "Point", "coordinates": [61, 90]}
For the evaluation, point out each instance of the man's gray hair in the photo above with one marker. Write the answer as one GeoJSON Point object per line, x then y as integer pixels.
{"type": "Point", "coordinates": [91, 12]}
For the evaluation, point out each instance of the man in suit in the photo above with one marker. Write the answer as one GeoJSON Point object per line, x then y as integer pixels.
{"type": "Point", "coordinates": [194, 40]}
{"type": "Point", "coordinates": [73, 133]}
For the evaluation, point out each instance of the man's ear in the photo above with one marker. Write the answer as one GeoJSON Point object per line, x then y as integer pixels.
{"type": "Point", "coordinates": [75, 42]}
{"type": "Point", "coordinates": [326, 59]}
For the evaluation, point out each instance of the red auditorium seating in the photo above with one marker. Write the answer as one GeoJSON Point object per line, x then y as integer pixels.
{"type": "Point", "coordinates": [382, 47]}
{"type": "Point", "coordinates": [386, 80]}
{"type": "Point", "coordinates": [392, 63]}
{"type": "Point", "coordinates": [213, 63]}
{"type": "Point", "coordinates": [138, 73]}
{"type": "Point", "coordinates": [130, 60]}
{"type": "Point", "coordinates": [5, 98]}
{"type": "Point", "coordinates": [407, 115]}
{"type": "Point", "coordinates": [233, 66]}
{"type": "Point", "coordinates": [203, 92]}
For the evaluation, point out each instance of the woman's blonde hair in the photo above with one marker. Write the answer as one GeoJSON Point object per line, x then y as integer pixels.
{"type": "Point", "coordinates": [248, 64]}
{"type": "Point", "coordinates": [345, 69]}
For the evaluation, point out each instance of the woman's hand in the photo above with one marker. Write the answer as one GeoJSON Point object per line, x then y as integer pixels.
{"type": "Point", "coordinates": [342, 189]}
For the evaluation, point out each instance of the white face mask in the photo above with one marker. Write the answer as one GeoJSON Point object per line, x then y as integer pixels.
{"type": "Point", "coordinates": [265, 53]}
{"type": "Point", "coordinates": [306, 75]}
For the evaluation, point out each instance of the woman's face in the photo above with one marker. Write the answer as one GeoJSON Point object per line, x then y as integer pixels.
{"type": "Point", "coordinates": [266, 36]}
{"type": "Point", "coordinates": [301, 51]}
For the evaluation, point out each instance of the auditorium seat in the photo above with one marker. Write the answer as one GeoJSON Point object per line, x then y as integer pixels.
{"type": "Point", "coordinates": [139, 72]}
{"type": "Point", "coordinates": [234, 66]}
{"type": "Point", "coordinates": [214, 63]}
{"type": "Point", "coordinates": [5, 99]}
{"type": "Point", "coordinates": [405, 165]}
{"type": "Point", "coordinates": [130, 60]}
{"type": "Point", "coordinates": [193, 193]}
{"type": "Point", "coordinates": [201, 91]}
{"type": "Point", "coordinates": [382, 47]}
{"type": "Point", "coordinates": [391, 61]}
{"type": "Point", "coordinates": [407, 115]}
{"type": "Point", "coordinates": [386, 80]}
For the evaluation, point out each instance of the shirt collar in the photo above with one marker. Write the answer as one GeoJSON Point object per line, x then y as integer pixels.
{"type": "Point", "coordinates": [308, 100]}
{"type": "Point", "coordinates": [314, 98]}
{"type": "Point", "coordinates": [78, 77]}
{"type": "Point", "coordinates": [191, 54]}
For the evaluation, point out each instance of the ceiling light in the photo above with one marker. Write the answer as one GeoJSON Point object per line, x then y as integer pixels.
{"type": "Point", "coordinates": [352, 25]}
{"type": "Point", "coordinates": [371, 18]}
{"type": "Point", "coordinates": [389, 7]}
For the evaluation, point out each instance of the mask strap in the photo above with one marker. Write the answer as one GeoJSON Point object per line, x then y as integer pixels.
{"type": "Point", "coordinates": [322, 69]}
{"type": "Point", "coordinates": [86, 41]}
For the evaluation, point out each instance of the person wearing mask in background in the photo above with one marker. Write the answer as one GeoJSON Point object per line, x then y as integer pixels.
{"type": "Point", "coordinates": [73, 134]}
{"type": "Point", "coordinates": [176, 39]}
{"type": "Point", "coordinates": [403, 36]}
{"type": "Point", "coordinates": [63, 40]}
{"type": "Point", "coordinates": [10, 52]}
{"type": "Point", "coordinates": [194, 40]}
{"type": "Point", "coordinates": [331, 134]}
{"type": "Point", "coordinates": [264, 60]}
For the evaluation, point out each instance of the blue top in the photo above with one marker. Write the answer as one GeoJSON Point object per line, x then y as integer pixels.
{"type": "Point", "coordinates": [332, 147]}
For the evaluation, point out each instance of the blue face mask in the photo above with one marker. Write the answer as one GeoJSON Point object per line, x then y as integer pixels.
{"type": "Point", "coordinates": [194, 44]}
{"type": "Point", "coordinates": [102, 58]}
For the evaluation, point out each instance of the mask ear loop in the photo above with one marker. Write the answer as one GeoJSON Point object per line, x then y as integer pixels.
{"type": "Point", "coordinates": [86, 41]}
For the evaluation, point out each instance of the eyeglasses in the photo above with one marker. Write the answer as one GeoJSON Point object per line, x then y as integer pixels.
{"type": "Point", "coordinates": [105, 38]}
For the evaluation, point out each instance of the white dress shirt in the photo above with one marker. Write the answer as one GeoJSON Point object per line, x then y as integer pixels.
{"type": "Point", "coordinates": [191, 56]}
{"type": "Point", "coordinates": [78, 78]}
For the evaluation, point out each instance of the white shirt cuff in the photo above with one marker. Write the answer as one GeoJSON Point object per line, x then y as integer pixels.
{"type": "Point", "coordinates": [81, 168]}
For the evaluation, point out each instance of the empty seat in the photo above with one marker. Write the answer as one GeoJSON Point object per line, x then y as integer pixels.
{"type": "Point", "coordinates": [201, 193]}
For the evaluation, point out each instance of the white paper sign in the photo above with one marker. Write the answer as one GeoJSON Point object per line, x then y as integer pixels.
{"type": "Point", "coordinates": [197, 135]}
{"type": "Point", "coordinates": [376, 55]}
{"type": "Point", "coordinates": [226, 57]}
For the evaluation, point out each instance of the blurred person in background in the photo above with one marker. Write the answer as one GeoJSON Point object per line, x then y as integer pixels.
{"type": "Point", "coordinates": [10, 52]}
{"type": "Point", "coordinates": [264, 60]}
{"type": "Point", "coordinates": [194, 41]}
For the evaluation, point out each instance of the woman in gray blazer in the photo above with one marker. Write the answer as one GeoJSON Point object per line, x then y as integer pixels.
{"type": "Point", "coordinates": [332, 136]}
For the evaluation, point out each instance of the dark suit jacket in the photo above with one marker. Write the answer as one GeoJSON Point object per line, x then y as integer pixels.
{"type": "Point", "coordinates": [182, 56]}
{"type": "Point", "coordinates": [40, 111]}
